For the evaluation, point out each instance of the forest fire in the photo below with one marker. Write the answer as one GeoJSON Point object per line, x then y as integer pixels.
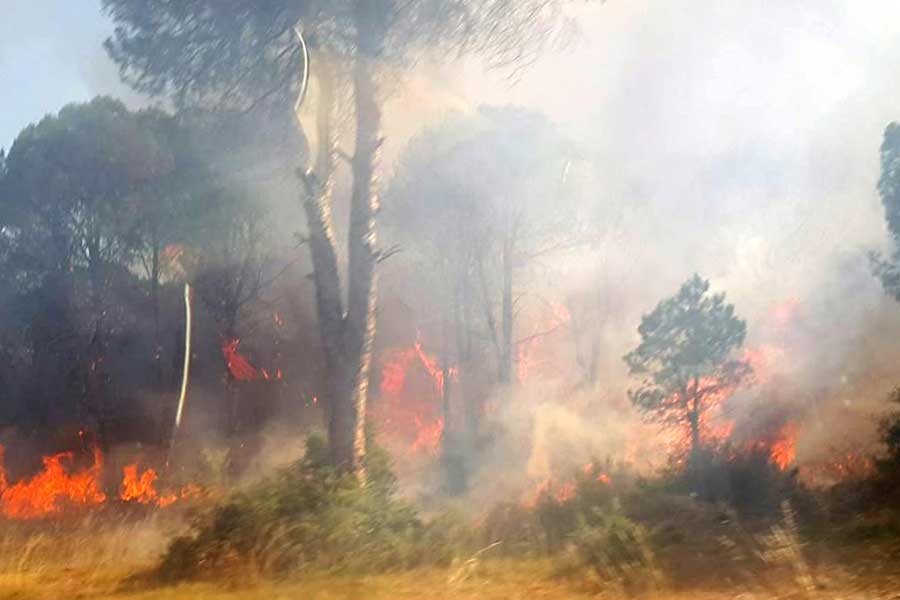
{"type": "Point", "coordinates": [717, 429]}
{"type": "Point", "coordinates": [535, 356]}
{"type": "Point", "coordinates": [52, 489]}
{"type": "Point", "coordinates": [60, 486]}
{"type": "Point", "coordinates": [783, 452]}
{"type": "Point", "coordinates": [429, 436]}
{"type": "Point", "coordinates": [839, 465]}
{"type": "Point", "coordinates": [564, 491]}
{"type": "Point", "coordinates": [408, 411]}
{"type": "Point", "coordinates": [240, 368]}
{"type": "Point", "coordinates": [141, 488]}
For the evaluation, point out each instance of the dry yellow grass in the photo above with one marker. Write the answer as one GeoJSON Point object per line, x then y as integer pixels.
{"type": "Point", "coordinates": [103, 559]}
{"type": "Point", "coordinates": [502, 584]}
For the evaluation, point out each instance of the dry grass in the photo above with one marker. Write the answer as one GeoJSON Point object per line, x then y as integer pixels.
{"type": "Point", "coordinates": [103, 557]}
{"type": "Point", "coordinates": [496, 580]}
{"type": "Point", "coordinates": [493, 580]}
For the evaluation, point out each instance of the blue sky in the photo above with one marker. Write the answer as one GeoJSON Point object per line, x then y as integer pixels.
{"type": "Point", "coordinates": [50, 54]}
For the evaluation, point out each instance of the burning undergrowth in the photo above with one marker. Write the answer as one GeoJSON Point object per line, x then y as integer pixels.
{"type": "Point", "coordinates": [78, 483]}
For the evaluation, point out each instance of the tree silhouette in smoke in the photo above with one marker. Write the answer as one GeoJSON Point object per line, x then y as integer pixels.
{"type": "Point", "coordinates": [685, 358]}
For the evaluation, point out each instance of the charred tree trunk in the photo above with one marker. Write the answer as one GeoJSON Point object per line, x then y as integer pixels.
{"type": "Point", "coordinates": [452, 448]}
{"type": "Point", "coordinates": [460, 412]}
{"type": "Point", "coordinates": [694, 418]}
{"type": "Point", "coordinates": [696, 466]}
{"type": "Point", "coordinates": [694, 421]}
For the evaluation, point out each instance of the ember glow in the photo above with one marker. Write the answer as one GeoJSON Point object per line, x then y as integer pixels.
{"type": "Point", "coordinates": [239, 367]}
{"type": "Point", "coordinates": [565, 490]}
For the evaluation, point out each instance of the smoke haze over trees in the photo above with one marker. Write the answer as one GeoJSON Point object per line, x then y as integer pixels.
{"type": "Point", "coordinates": [743, 195]}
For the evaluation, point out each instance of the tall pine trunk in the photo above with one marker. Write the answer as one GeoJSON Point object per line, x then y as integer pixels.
{"type": "Point", "coordinates": [347, 336]}
{"type": "Point", "coordinates": [347, 427]}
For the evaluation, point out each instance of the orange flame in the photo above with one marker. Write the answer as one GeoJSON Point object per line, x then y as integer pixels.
{"type": "Point", "coordinates": [428, 438]}
{"type": "Point", "coordinates": [239, 367]}
{"type": "Point", "coordinates": [405, 411]}
{"type": "Point", "coordinates": [50, 490]}
{"type": "Point", "coordinates": [57, 488]}
{"type": "Point", "coordinates": [141, 488]}
{"type": "Point", "coordinates": [784, 451]}
{"type": "Point", "coordinates": [138, 488]}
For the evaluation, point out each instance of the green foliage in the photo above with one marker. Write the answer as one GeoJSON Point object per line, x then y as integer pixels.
{"type": "Point", "coordinates": [890, 437]}
{"type": "Point", "coordinates": [584, 528]}
{"type": "Point", "coordinates": [244, 54]}
{"type": "Point", "coordinates": [888, 270]}
{"type": "Point", "coordinates": [309, 515]}
{"type": "Point", "coordinates": [685, 356]}
{"type": "Point", "coordinates": [548, 525]}
{"type": "Point", "coordinates": [518, 529]}
{"type": "Point", "coordinates": [617, 549]}
{"type": "Point", "coordinates": [755, 486]}
{"type": "Point", "coordinates": [744, 480]}
{"type": "Point", "coordinates": [67, 193]}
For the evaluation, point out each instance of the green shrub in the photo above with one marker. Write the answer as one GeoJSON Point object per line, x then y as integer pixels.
{"type": "Point", "coordinates": [309, 515]}
{"type": "Point", "coordinates": [617, 550]}
{"type": "Point", "coordinates": [744, 479]}
{"type": "Point", "coordinates": [518, 530]}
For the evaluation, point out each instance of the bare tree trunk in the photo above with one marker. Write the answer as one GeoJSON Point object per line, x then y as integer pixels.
{"type": "Point", "coordinates": [349, 415]}
{"type": "Point", "coordinates": [317, 205]}
{"type": "Point", "coordinates": [347, 337]}
{"type": "Point", "coordinates": [459, 421]}
{"type": "Point", "coordinates": [696, 465]}
{"type": "Point", "coordinates": [694, 418]}
{"type": "Point", "coordinates": [451, 448]}
{"type": "Point", "coordinates": [154, 301]}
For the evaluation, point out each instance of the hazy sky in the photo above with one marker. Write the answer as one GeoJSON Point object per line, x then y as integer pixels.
{"type": "Point", "coordinates": [50, 54]}
{"type": "Point", "coordinates": [741, 136]}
